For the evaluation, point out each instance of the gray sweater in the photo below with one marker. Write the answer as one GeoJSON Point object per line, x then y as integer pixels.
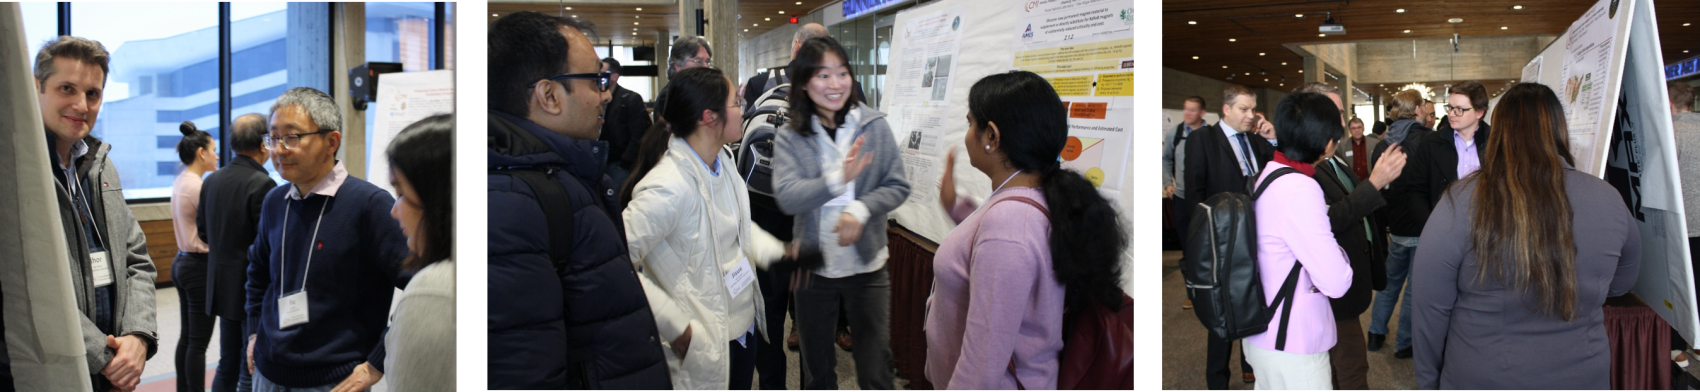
{"type": "Point", "coordinates": [421, 341]}
{"type": "Point", "coordinates": [801, 188]}
{"type": "Point", "coordinates": [1688, 163]}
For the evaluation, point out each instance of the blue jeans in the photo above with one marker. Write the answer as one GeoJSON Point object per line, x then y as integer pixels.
{"type": "Point", "coordinates": [261, 384]}
{"type": "Point", "coordinates": [1400, 252]}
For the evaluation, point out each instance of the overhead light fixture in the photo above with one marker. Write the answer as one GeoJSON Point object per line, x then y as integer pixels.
{"type": "Point", "coordinates": [766, 19]}
{"type": "Point", "coordinates": [492, 14]}
{"type": "Point", "coordinates": [1407, 31]}
{"type": "Point", "coordinates": [1194, 57]}
{"type": "Point", "coordinates": [782, 12]}
{"type": "Point", "coordinates": [640, 8]}
{"type": "Point", "coordinates": [1224, 67]}
{"type": "Point", "coordinates": [1401, 11]}
{"type": "Point", "coordinates": [636, 17]}
{"type": "Point", "coordinates": [1283, 63]}
{"type": "Point", "coordinates": [1193, 22]}
{"type": "Point", "coordinates": [1261, 53]}
{"type": "Point", "coordinates": [755, 25]}
{"type": "Point", "coordinates": [1322, 35]}
{"type": "Point", "coordinates": [1247, 74]}
{"type": "Point", "coordinates": [799, 3]}
{"type": "Point", "coordinates": [1504, 27]}
{"type": "Point", "coordinates": [1301, 71]}
{"type": "Point", "coordinates": [1455, 20]}
{"type": "Point", "coordinates": [1283, 84]}
{"type": "Point", "coordinates": [569, 8]}
{"type": "Point", "coordinates": [1298, 15]}
{"type": "Point", "coordinates": [1517, 7]}
{"type": "Point", "coordinates": [1232, 40]}
{"type": "Point", "coordinates": [634, 23]}
{"type": "Point", "coordinates": [1265, 79]}
{"type": "Point", "coordinates": [1686, 24]}
{"type": "Point", "coordinates": [746, 30]}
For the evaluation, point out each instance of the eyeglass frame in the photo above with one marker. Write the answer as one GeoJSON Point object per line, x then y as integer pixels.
{"type": "Point", "coordinates": [706, 62]}
{"type": "Point", "coordinates": [604, 80]}
{"type": "Point", "coordinates": [1460, 111]}
{"type": "Point", "coordinates": [271, 143]}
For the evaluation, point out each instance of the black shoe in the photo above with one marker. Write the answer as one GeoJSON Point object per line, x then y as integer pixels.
{"type": "Point", "coordinates": [1403, 354]}
{"type": "Point", "coordinates": [1376, 340]}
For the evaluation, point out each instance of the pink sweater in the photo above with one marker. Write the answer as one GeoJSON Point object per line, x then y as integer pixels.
{"type": "Point", "coordinates": [1002, 306]}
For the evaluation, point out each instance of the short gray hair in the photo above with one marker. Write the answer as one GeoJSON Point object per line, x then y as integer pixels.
{"type": "Point", "coordinates": [809, 31]}
{"type": "Point", "coordinates": [318, 105]}
{"type": "Point", "coordinates": [683, 49]}
{"type": "Point", "coordinates": [75, 48]}
{"type": "Point", "coordinates": [1318, 87]}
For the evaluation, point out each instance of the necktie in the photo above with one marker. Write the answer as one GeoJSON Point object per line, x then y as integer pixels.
{"type": "Point", "coordinates": [1247, 163]}
{"type": "Point", "coordinates": [1344, 179]}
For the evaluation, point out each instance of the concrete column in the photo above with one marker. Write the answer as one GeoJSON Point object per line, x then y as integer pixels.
{"type": "Point", "coordinates": [663, 46]}
{"type": "Point", "coordinates": [349, 48]}
{"type": "Point", "coordinates": [722, 34]}
{"type": "Point", "coordinates": [1314, 70]}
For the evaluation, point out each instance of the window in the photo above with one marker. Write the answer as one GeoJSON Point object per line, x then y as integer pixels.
{"type": "Point", "coordinates": [274, 47]}
{"type": "Point", "coordinates": [41, 22]}
{"type": "Point", "coordinates": [164, 71]}
{"type": "Point", "coordinates": [400, 33]}
{"type": "Point", "coordinates": [642, 85]}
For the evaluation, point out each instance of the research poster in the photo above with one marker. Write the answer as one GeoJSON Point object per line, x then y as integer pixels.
{"type": "Point", "coordinates": [1586, 71]}
{"type": "Point", "coordinates": [921, 78]}
{"type": "Point", "coordinates": [404, 98]}
{"type": "Point", "coordinates": [1085, 49]}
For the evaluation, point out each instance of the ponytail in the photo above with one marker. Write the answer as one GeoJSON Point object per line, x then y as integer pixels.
{"type": "Point", "coordinates": [1087, 237]}
{"type": "Point", "coordinates": [688, 94]}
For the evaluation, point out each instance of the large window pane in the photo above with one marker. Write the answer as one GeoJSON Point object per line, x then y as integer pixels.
{"type": "Point", "coordinates": [275, 47]}
{"type": "Point", "coordinates": [41, 23]}
{"type": "Point", "coordinates": [401, 33]}
{"type": "Point", "coordinates": [642, 85]}
{"type": "Point", "coordinates": [164, 71]}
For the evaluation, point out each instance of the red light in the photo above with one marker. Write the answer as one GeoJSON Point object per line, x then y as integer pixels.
{"type": "Point", "coordinates": [793, 20]}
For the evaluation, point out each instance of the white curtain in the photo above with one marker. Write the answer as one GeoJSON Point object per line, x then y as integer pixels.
{"type": "Point", "coordinates": [43, 337]}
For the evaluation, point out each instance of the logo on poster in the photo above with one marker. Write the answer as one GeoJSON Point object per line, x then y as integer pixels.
{"type": "Point", "coordinates": [1028, 35]}
{"type": "Point", "coordinates": [1031, 4]}
{"type": "Point", "coordinates": [1127, 16]}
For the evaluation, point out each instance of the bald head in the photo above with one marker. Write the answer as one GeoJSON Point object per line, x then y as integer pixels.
{"type": "Point", "coordinates": [805, 33]}
{"type": "Point", "coordinates": [248, 132]}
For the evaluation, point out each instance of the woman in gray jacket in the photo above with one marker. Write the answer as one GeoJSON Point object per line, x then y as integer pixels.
{"type": "Point", "coordinates": [838, 170]}
{"type": "Point", "coordinates": [420, 344]}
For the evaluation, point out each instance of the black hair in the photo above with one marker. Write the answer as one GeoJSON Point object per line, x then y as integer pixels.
{"type": "Point", "coordinates": [424, 153]}
{"type": "Point", "coordinates": [613, 65]}
{"type": "Point", "coordinates": [189, 147]}
{"type": "Point", "coordinates": [691, 91]}
{"type": "Point", "coordinates": [1087, 237]}
{"type": "Point", "coordinates": [1304, 124]}
{"type": "Point", "coordinates": [802, 68]}
{"type": "Point", "coordinates": [526, 47]}
{"type": "Point", "coordinates": [248, 133]}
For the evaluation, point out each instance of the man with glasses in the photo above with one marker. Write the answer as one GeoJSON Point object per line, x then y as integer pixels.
{"type": "Point", "coordinates": [566, 308]}
{"type": "Point", "coordinates": [111, 271]}
{"type": "Point", "coordinates": [229, 218]}
{"type": "Point", "coordinates": [326, 262]}
{"type": "Point", "coordinates": [687, 53]}
{"type": "Point", "coordinates": [1438, 159]}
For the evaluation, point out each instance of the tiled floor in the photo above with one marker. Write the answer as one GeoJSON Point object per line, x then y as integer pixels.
{"type": "Point", "coordinates": [160, 375]}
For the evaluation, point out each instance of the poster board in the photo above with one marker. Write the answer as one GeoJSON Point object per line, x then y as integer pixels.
{"type": "Point", "coordinates": [404, 98]}
{"type": "Point", "coordinates": [1611, 81]}
{"type": "Point", "coordinates": [938, 51]}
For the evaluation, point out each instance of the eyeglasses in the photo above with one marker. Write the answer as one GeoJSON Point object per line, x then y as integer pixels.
{"type": "Point", "coordinates": [289, 142]}
{"type": "Point", "coordinates": [700, 62]}
{"type": "Point", "coordinates": [604, 80]}
{"type": "Point", "coordinates": [1457, 111]}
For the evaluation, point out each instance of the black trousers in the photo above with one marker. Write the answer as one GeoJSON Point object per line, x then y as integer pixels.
{"type": "Point", "coordinates": [189, 274]}
{"type": "Point", "coordinates": [744, 359]}
{"type": "Point", "coordinates": [770, 353]}
{"type": "Point", "coordinates": [232, 375]}
{"type": "Point", "coordinates": [1216, 369]}
{"type": "Point", "coordinates": [867, 304]}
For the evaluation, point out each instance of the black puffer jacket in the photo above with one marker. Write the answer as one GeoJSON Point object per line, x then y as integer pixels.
{"type": "Point", "coordinates": [588, 324]}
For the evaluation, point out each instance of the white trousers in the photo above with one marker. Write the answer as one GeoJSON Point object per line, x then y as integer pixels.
{"type": "Point", "coordinates": [1284, 370]}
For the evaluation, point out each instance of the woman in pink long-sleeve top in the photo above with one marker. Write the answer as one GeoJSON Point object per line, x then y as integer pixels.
{"type": "Point", "coordinates": [1004, 278]}
{"type": "Point", "coordinates": [1292, 227]}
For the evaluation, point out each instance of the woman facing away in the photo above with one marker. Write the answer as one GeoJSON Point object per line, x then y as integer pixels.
{"type": "Point", "coordinates": [420, 344]}
{"type": "Point", "coordinates": [199, 154]}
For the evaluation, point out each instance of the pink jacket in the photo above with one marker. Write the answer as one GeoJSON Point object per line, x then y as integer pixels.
{"type": "Point", "coordinates": [1292, 226]}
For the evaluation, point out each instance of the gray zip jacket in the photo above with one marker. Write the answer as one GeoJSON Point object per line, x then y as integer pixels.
{"type": "Point", "coordinates": [801, 187]}
{"type": "Point", "coordinates": [133, 271]}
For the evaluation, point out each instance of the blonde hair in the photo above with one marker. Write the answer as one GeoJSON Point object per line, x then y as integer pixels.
{"type": "Point", "coordinates": [1404, 104]}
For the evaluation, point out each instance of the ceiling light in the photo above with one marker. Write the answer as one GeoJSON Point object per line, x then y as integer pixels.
{"type": "Point", "coordinates": [765, 19]}
{"type": "Point", "coordinates": [1232, 40]}
{"type": "Point", "coordinates": [1265, 79]}
{"type": "Point", "coordinates": [1301, 71]}
{"type": "Point", "coordinates": [636, 17]}
{"type": "Point", "coordinates": [1194, 57]}
{"type": "Point", "coordinates": [755, 25]}
{"type": "Point", "coordinates": [1261, 53]}
{"type": "Point", "coordinates": [799, 3]}
{"type": "Point", "coordinates": [1322, 35]}
{"type": "Point", "coordinates": [1247, 74]}
{"type": "Point", "coordinates": [1517, 7]}
{"type": "Point", "coordinates": [1283, 63]}
{"type": "Point", "coordinates": [1401, 10]}
{"type": "Point", "coordinates": [492, 14]}
{"type": "Point", "coordinates": [782, 12]}
{"type": "Point", "coordinates": [1407, 31]}
{"type": "Point", "coordinates": [1193, 22]}
{"type": "Point", "coordinates": [569, 8]}
{"type": "Point", "coordinates": [1283, 84]}
{"type": "Point", "coordinates": [746, 30]}
{"type": "Point", "coordinates": [640, 8]}
{"type": "Point", "coordinates": [1298, 15]}
{"type": "Point", "coordinates": [1224, 67]}
{"type": "Point", "coordinates": [634, 23]}
{"type": "Point", "coordinates": [1455, 20]}
{"type": "Point", "coordinates": [1686, 24]}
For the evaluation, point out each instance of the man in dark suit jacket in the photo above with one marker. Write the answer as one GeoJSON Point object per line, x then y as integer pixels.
{"type": "Point", "coordinates": [623, 125]}
{"type": "Point", "coordinates": [1219, 158]}
{"type": "Point", "coordinates": [229, 218]}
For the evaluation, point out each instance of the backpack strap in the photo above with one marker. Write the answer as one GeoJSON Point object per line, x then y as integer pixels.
{"type": "Point", "coordinates": [1284, 296]}
{"type": "Point", "coordinates": [1257, 190]}
{"type": "Point", "coordinates": [557, 209]}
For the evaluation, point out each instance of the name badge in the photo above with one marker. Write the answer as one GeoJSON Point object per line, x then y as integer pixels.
{"type": "Point", "coordinates": [844, 199]}
{"type": "Point", "coordinates": [102, 269]}
{"type": "Point", "coordinates": [292, 310]}
{"type": "Point", "coordinates": [739, 277]}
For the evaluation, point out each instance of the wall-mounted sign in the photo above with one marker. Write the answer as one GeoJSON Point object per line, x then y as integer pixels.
{"type": "Point", "coordinates": [1682, 68]}
{"type": "Point", "coordinates": [855, 8]}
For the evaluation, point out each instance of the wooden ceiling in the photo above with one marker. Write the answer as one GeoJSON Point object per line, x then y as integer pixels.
{"type": "Point", "coordinates": [1258, 30]}
{"type": "Point", "coordinates": [617, 20]}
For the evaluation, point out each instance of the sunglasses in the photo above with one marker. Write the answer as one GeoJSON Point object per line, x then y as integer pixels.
{"type": "Point", "coordinates": [604, 80]}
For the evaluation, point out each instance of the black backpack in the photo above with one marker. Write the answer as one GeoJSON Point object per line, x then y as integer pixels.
{"type": "Point", "coordinates": [767, 115]}
{"type": "Point", "coordinates": [1222, 278]}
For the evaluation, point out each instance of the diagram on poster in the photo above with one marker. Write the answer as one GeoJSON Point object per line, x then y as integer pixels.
{"type": "Point", "coordinates": [925, 74]}
{"type": "Point", "coordinates": [1085, 49]}
{"type": "Point", "coordinates": [1586, 71]}
{"type": "Point", "coordinates": [404, 98]}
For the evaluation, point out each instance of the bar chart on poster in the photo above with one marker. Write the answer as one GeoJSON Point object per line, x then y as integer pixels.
{"type": "Point", "coordinates": [1084, 48]}
{"type": "Point", "coordinates": [1608, 74]}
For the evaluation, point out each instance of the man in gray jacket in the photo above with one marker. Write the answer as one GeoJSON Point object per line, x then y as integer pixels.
{"type": "Point", "coordinates": [112, 275]}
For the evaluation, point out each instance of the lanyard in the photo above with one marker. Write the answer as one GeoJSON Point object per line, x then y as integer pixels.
{"type": "Point", "coordinates": [284, 241]}
{"type": "Point", "coordinates": [85, 215]}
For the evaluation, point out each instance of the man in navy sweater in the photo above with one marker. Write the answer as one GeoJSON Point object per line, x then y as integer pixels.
{"type": "Point", "coordinates": [325, 264]}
